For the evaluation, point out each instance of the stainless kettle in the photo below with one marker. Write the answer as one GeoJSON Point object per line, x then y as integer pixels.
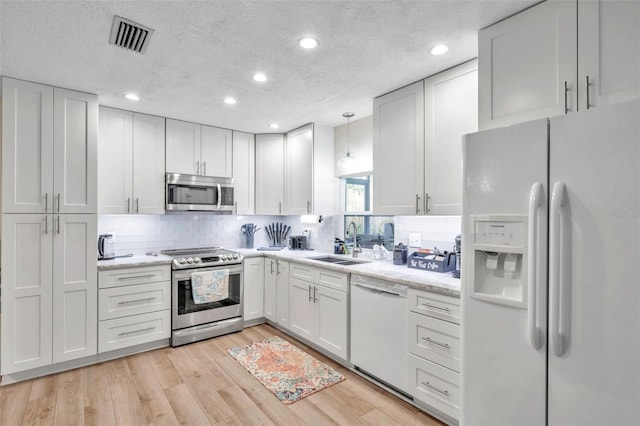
{"type": "Point", "coordinates": [106, 249]}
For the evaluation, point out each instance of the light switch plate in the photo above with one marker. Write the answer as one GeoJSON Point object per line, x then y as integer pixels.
{"type": "Point", "coordinates": [415, 239]}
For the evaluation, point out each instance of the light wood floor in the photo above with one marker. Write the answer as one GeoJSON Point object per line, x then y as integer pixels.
{"type": "Point", "coordinates": [195, 384]}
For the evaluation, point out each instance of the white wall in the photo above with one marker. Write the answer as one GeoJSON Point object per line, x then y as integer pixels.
{"type": "Point", "coordinates": [435, 231]}
{"type": "Point", "coordinates": [360, 143]}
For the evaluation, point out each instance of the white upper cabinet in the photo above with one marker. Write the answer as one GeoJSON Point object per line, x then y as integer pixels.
{"type": "Point", "coordinates": [244, 160]}
{"type": "Point", "coordinates": [269, 174]}
{"type": "Point", "coordinates": [451, 110]}
{"type": "Point", "coordinates": [216, 152]}
{"type": "Point", "coordinates": [131, 162]}
{"type": "Point", "coordinates": [608, 51]}
{"type": "Point", "coordinates": [537, 63]}
{"type": "Point", "coordinates": [299, 171]}
{"type": "Point", "coordinates": [198, 150]}
{"type": "Point", "coordinates": [398, 151]}
{"type": "Point", "coordinates": [49, 149]}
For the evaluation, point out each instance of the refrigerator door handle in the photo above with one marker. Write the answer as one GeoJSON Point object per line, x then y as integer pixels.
{"type": "Point", "coordinates": [535, 286]}
{"type": "Point", "coordinates": [558, 259]}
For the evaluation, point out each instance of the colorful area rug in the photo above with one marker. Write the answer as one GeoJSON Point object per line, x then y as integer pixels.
{"type": "Point", "coordinates": [289, 373]}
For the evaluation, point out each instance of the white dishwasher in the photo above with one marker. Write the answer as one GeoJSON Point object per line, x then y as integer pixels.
{"type": "Point", "coordinates": [379, 330]}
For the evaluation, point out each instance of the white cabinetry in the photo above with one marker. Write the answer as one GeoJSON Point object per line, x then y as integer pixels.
{"type": "Point", "coordinates": [434, 351]}
{"type": "Point", "coordinates": [134, 306]}
{"type": "Point", "coordinates": [298, 177]}
{"type": "Point", "coordinates": [198, 150]}
{"type": "Point", "coordinates": [451, 110]}
{"type": "Point", "coordinates": [131, 162]}
{"type": "Point", "coordinates": [269, 174]}
{"type": "Point", "coordinates": [49, 290]}
{"type": "Point", "coordinates": [244, 160]}
{"type": "Point", "coordinates": [49, 142]}
{"type": "Point", "coordinates": [253, 288]}
{"type": "Point", "coordinates": [398, 151]}
{"type": "Point", "coordinates": [318, 307]}
{"type": "Point", "coordinates": [536, 63]}
{"type": "Point", "coordinates": [276, 292]}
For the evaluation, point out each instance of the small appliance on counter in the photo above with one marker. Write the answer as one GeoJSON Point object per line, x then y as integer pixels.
{"type": "Point", "coordinates": [458, 250]}
{"type": "Point", "coordinates": [400, 254]}
{"type": "Point", "coordinates": [298, 242]}
{"type": "Point", "coordinates": [339, 247]}
{"type": "Point", "coordinates": [106, 249]}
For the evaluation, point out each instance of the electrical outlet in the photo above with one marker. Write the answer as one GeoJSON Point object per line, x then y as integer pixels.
{"type": "Point", "coordinates": [415, 239]}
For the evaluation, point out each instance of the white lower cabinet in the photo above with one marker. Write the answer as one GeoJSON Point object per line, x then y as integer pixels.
{"type": "Point", "coordinates": [434, 351]}
{"type": "Point", "coordinates": [276, 291]}
{"type": "Point", "coordinates": [318, 307]}
{"type": "Point", "coordinates": [134, 306]}
{"type": "Point", "coordinates": [253, 301]}
{"type": "Point", "coordinates": [48, 289]}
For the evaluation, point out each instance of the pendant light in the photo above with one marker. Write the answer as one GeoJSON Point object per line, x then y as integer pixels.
{"type": "Point", "coordinates": [347, 163]}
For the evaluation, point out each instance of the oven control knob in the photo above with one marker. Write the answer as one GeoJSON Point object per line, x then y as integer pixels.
{"type": "Point", "coordinates": [182, 261]}
{"type": "Point", "coordinates": [197, 260]}
{"type": "Point", "coordinates": [235, 256]}
{"type": "Point", "coordinates": [189, 260]}
{"type": "Point", "coordinates": [223, 257]}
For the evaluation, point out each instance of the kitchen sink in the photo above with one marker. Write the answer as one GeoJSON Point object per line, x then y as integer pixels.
{"type": "Point", "coordinates": [339, 261]}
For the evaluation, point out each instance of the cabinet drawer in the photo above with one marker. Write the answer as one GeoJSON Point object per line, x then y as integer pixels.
{"type": "Point", "coordinates": [303, 272]}
{"type": "Point", "coordinates": [435, 305]}
{"type": "Point", "coordinates": [129, 331]}
{"type": "Point", "coordinates": [128, 276]}
{"type": "Point", "coordinates": [334, 280]}
{"type": "Point", "coordinates": [136, 299]}
{"type": "Point", "coordinates": [435, 340]}
{"type": "Point", "coordinates": [434, 385]}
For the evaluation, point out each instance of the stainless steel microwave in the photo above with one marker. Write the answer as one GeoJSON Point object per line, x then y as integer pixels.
{"type": "Point", "coordinates": [198, 193]}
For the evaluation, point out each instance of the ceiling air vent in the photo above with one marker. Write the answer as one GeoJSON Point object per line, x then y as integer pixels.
{"type": "Point", "coordinates": [130, 35]}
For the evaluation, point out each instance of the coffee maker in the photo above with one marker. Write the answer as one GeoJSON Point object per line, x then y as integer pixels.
{"type": "Point", "coordinates": [106, 249]}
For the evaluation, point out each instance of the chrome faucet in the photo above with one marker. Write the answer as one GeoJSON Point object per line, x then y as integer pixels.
{"type": "Point", "coordinates": [356, 249]}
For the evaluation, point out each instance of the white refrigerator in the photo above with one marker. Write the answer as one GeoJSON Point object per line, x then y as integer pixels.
{"type": "Point", "coordinates": [550, 271]}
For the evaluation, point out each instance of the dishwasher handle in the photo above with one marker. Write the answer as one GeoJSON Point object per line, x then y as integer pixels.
{"type": "Point", "coordinates": [378, 290]}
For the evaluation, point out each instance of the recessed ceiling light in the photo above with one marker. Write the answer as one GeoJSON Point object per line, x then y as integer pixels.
{"type": "Point", "coordinates": [259, 77]}
{"type": "Point", "coordinates": [274, 125]}
{"type": "Point", "coordinates": [439, 49]}
{"type": "Point", "coordinates": [308, 43]}
{"type": "Point", "coordinates": [229, 100]}
{"type": "Point", "coordinates": [132, 97]}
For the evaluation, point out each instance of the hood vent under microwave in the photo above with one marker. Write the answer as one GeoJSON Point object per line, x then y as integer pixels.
{"type": "Point", "coordinates": [130, 35]}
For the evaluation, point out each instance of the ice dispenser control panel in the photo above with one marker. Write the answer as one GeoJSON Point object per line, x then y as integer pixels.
{"type": "Point", "coordinates": [500, 233]}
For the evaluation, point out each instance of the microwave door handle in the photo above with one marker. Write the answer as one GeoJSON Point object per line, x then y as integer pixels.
{"type": "Point", "coordinates": [219, 196]}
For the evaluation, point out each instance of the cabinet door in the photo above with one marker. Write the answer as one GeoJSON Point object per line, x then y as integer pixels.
{"type": "Point", "coordinates": [282, 283]}
{"type": "Point", "coordinates": [216, 152]}
{"type": "Point", "coordinates": [524, 63]}
{"type": "Point", "coordinates": [115, 149]}
{"type": "Point", "coordinates": [298, 180]}
{"type": "Point", "coordinates": [244, 160]}
{"type": "Point", "coordinates": [398, 151]}
{"type": "Point", "coordinates": [302, 313]}
{"type": "Point", "coordinates": [75, 287]}
{"type": "Point", "coordinates": [253, 288]}
{"type": "Point", "coordinates": [331, 320]}
{"type": "Point", "coordinates": [269, 174]}
{"type": "Point", "coordinates": [27, 147]}
{"type": "Point", "coordinates": [26, 291]}
{"type": "Point", "coordinates": [183, 147]}
{"type": "Point", "coordinates": [451, 110]}
{"type": "Point", "coordinates": [75, 152]}
{"type": "Point", "coordinates": [608, 51]}
{"type": "Point", "coordinates": [270, 290]}
{"type": "Point", "coordinates": [148, 164]}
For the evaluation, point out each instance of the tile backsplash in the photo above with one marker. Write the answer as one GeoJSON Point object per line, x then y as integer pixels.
{"type": "Point", "coordinates": [436, 231]}
{"type": "Point", "coordinates": [138, 234]}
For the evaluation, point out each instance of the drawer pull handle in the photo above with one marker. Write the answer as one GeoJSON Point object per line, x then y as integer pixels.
{"type": "Point", "coordinates": [124, 333]}
{"type": "Point", "coordinates": [429, 305]}
{"type": "Point", "coordinates": [135, 277]}
{"type": "Point", "coordinates": [123, 302]}
{"type": "Point", "coordinates": [429, 385]}
{"type": "Point", "coordinates": [435, 342]}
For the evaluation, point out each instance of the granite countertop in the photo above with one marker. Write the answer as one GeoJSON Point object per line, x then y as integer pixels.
{"type": "Point", "coordinates": [133, 261]}
{"type": "Point", "coordinates": [442, 283]}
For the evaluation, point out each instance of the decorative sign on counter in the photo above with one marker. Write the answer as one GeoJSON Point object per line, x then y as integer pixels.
{"type": "Point", "coordinates": [427, 261]}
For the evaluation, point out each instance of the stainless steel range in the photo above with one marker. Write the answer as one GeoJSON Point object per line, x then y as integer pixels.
{"type": "Point", "coordinates": [196, 316]}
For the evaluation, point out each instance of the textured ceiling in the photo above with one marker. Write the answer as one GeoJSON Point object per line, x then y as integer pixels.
{"type": "Point", "coordinates": [203, 51]}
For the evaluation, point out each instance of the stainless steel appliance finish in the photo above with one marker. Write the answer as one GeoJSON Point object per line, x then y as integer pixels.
{"type": "Point", "coordinates": [106, 250]}
{"type": "Point", "coordinates": [191, 322]}
{"type": "Point", "coordinates": [198, 193]}
{"type": "Point", "coordinates": [298, 242]}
